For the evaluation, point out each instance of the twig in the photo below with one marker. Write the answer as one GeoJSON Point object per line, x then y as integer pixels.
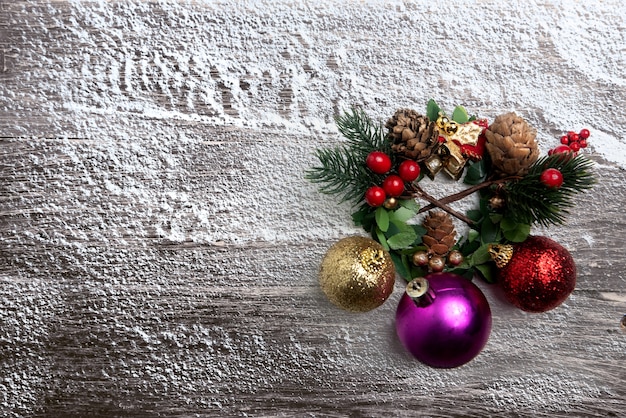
{"type": "Point", "coordinates": [419, 192]}
{"type": "Point", "coordinates": [460, 195]}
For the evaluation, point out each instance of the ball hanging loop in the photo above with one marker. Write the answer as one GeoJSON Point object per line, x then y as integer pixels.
{"type": "Point", "coordinates": [419, 290]}
{"type": "Point", "coordinates": [501, 254]}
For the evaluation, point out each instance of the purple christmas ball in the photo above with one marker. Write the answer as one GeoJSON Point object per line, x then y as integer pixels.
{"type": "Point", "coordinates": [444, 320]}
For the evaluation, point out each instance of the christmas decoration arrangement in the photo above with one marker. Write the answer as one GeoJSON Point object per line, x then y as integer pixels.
{"type": "Point", "coordinates": [443, 319]}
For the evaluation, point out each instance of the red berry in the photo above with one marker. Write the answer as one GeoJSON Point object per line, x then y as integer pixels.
{"type": "Point", "coordinates": [567, 152]}
{"type": "Point", "coordinates": [570, 133]}
{"type": "Point", "coordinates": [584, 133]}
{"type": "Point", "coordinates": [574, 138]}
{"type": "Point", "coordinates": [393, 185]}
{"type": "Point", "coordinates": [375, 196]}
{"type": "Point", "coordinates": [583, 143]}
{"type": "Point", "coordinates": [551, 177]}
{"type": "Point", "coordinates": [565, 140]}
{"type": "Point", "coordinates": [409, 170]}
{"type": "Point", "coordinates": [378, 162]}
{"type": "Point", "coordinates": [575, 146]}
{"type": "Point", "coordinates": [561, 148]}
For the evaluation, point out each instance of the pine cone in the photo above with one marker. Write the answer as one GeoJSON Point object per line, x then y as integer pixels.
{"type": "Point", "coordinates": [511, 145]}
{"type": "Point", "coordinates": [413, 134]}
{"type": "Point", "coordinates": [440, 234]}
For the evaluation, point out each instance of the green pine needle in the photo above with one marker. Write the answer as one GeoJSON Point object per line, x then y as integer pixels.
{"type": "Point", "coordinates": [529, 201]}
{"type": "Point", "coordinates": [362, 134]}
{"type": "Point", "coordinates": [342, 169]}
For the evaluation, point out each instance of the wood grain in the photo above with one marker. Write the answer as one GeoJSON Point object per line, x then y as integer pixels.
{"type": "Point", "coordinates": [159, 246]}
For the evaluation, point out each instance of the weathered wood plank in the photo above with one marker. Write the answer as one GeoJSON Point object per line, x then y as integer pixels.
{"type": "Point", "coordinates": [159, 246]}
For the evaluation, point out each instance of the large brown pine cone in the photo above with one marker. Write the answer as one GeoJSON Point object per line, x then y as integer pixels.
{"type": "Point", "coordinates": [440, 234]}
{"type": "Point", "coordinates": [511, 145]}
{"type": "Point", "coordinates": [414, 135]}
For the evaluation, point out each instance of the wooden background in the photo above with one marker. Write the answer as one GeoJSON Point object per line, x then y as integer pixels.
{"type": "Point", "coordinates": [159, 246]}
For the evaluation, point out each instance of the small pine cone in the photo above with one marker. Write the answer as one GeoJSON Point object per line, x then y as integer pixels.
{"type": "Point", "coordinates": [440, 234]}
{"type": "Point", "coordinates": [511, 145]}
{"type": "Point", "coordinates": [413, 135]}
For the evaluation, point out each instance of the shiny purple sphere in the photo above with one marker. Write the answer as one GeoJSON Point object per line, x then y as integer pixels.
{"type": "Point", "coordinates": [449, 325]}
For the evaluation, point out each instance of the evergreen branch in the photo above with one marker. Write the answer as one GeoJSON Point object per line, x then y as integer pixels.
{"type": "Point", "coordinates": [530, 202]}
{"type": "Point", "coordinates": [342, 170]}
{"type": "Point", "coordinates": [361, 132]}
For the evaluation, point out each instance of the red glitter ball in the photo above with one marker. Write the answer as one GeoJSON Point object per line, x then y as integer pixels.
{"type": "Point", "coordinates": [540, 275]}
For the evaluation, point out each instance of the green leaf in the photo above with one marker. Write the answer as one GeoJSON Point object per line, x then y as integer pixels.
{"type": "Point", "coordinates": [432, 110]}
{"type": "Point", "coordinates": [518, 234]}
{"type": "Point", "coordinates": [402, 239]}
{"type": "Point", "coordinates": [475, 215]}
{"type": "Point", "coordinates": [486, 272]}
{"type": "Point", "coordinates": [459, 115]}
{"type": "Point", "coordinates": [472, 235]}
{"type": "Point", "coordinates": [469, 248]}
{"type": "Point", "coordinates": [463, 271]}
{"type": "Point", "coordinates": [358, 217]}
{"type": "Point", "coordinates": [382, 218]}
{"type": "Point", "coordinates": [401, 265]}
{"type": "Point", "coordinates": [380, 237]}
{"type": "Point", "coordinates": [410, 204]}
{"type": "Point", "coordinates": [417, 272]}
{"type": "Point", "coordinates": [508, 224]}
{"type": "Point", "coordinates": [496, 218]}
{"type": "Point", "coordinates": [476, 173]}
{"type": "Point", "coordinates": [489, 231]}
{"type": "Point", "coordinates": [480, 256]}
{"type": "Point", "coordinates": [401, 214]}
{"type": "Point", "coordinates": [364, 217]}
{"type": "Point", "coordinates": [419, 233]}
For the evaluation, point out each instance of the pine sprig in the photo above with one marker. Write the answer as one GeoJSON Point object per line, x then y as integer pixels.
{"type": "Point", "coordinates": [529, 201]}
{"type": "Point", "coordinates": [362, 133]}
{"type": "Point", "coordinates": [342, 172]}
{"type": "Point", "coordinates": [342, 169]}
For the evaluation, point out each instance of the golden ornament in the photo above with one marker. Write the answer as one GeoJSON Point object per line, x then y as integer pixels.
{"type": "Point", "coordinates": [357, 274]}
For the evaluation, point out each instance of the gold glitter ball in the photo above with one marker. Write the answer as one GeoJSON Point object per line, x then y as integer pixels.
{"type": "Point", "coordinates": [357, 274]}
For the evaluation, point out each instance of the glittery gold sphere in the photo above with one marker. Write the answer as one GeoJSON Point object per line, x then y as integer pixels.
{"type": "Point", "coordinates": [357, 274]}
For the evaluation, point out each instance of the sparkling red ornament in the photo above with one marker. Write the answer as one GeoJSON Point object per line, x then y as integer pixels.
{"type": "Point", "coordinates": [375, 196]}
{"type": "Point", "coordinates": [409, 170]}
{"type": "Point", "coordinates": [539, 276]}
{"type": "Point", "coordinates": [443, 320]}
{"type": "Point", "coordinates": [378, 162]}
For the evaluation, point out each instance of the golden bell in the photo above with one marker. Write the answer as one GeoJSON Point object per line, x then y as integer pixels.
{"type": "Point", "coordinates": [357, 274]}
